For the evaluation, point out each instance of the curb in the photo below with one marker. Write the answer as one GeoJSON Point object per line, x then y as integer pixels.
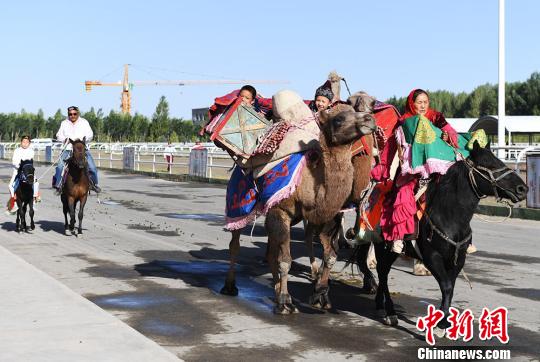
{"type": "Point", "coordinates": [517, 212]}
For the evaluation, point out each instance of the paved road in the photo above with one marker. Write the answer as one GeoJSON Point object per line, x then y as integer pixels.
{"type": "Point", "coordinates": [154, 255]}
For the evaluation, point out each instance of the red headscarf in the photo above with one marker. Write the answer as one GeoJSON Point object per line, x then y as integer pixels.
{"type": "Point", "coordinates": [431, 114]}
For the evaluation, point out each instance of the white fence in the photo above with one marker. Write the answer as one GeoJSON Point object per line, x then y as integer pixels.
{"type": "Point", "coordinates": [150, 156]}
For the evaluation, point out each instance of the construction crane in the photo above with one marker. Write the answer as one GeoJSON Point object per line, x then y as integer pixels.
{"type": "Point", "coordinates": [127, 85]}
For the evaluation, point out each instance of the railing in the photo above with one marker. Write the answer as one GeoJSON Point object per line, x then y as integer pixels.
{"type": "Point", "coordinates": [150, 156]}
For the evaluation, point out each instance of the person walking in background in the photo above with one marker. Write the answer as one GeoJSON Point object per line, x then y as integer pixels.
{"type": "Point", "coordinates": [168, 155]}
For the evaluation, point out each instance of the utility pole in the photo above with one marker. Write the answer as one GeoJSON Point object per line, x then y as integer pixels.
{"type": "Point", "coordinates": [502, 89]}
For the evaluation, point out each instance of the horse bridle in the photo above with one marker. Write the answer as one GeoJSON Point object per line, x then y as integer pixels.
{"type": "Point", "coordinates": [490, 177]}
{"type": "Point", "coordinates": [24, 176]}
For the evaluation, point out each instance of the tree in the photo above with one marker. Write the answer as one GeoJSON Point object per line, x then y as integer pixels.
{"type": "Point", "coordinates": [160, 126]}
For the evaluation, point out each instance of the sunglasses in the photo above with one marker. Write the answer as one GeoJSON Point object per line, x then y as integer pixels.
{"type": "Point", "coordinates": [73, 114]}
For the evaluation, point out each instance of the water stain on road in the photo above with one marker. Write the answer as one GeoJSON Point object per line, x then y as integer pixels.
{"type": "Point", "coordinates": [202, 217]}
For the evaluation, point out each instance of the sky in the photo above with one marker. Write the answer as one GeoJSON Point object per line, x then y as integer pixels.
{"type": "Point", "coordinates": [384, 47]}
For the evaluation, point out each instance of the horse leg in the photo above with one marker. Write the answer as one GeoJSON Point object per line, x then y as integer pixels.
{"type": "Point", "coordinates": [81, 212]}
{"type": "Point", "coordinates": [234, 247]}
{"type": "Point", "coordinates": [370, 285]}
{"type": "Point", "coordinates": [278, 226]}
{"type": "Point", "coordinates": [309, 233]}
{"type": "Point", "coordinates": [65, 210]}
{"type": "Point", "coordinates": [320, 297]}
{"type": "Point", "coordinates": [31, 213]}
{"type": "Point", "coordinates": [383, 301]}
{"type": "Point", "coordinates": [18, 222]}
{"type": "Point", "coordinates": [23, 217]}
{"type": "Point", "coordinates": [71, 206]}
{"type": "Point", "coordinates": [436, 264]}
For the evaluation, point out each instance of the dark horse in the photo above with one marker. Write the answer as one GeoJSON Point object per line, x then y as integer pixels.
{"type": "Point", "coordinates": [76, 186]}
{"type": "Point", "coordinates": [445, 231]}
{"type": "Point", "coordinates": [25, 195]}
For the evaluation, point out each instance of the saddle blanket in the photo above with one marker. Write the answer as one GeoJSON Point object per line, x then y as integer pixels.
{"type": "Point", "coordinates": [248, 198]}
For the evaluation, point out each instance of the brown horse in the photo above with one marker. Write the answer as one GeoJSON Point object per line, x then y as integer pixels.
{"type": "Point", "coordinates": [76, 186]}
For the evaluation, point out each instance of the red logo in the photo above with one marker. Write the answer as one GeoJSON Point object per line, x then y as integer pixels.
{"type": "Point", "coordinates": [461, 325]}
{"type": "Point", "coordinates": [429, 322]}
{"type": "Point", "coordinates": [494, 324]}
{"type": "Point", "coordinates": [490, 324]}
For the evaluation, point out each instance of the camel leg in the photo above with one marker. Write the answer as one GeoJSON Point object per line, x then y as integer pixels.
{"type": "Point", "coordinates": [309, 232]}
{"type": "Point", "coordinates": [234, 247]}
{"type": "Point", "coordinates": [278, 226]}
{"type": "Point", "coordinates": [81, 213]}
{"type": "Point", "coordinates": [383, 301]}
{"type": "Point", "coordinates": [320, 297]}
{"type": "Point", "coordinates": [370, 285]}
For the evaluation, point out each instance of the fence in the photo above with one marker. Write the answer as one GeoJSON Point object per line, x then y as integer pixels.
{"type": "Point", "coordinates": [145, 157]}
{"type": "Point", "coordinates": [151, 157]}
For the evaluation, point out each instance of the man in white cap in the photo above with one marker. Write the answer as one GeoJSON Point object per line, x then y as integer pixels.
{"type": "Point", "coordinates": [75, 128]}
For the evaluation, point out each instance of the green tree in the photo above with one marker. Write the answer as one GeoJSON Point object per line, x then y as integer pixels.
{"type": "Point", "coordinates": [160, 127]}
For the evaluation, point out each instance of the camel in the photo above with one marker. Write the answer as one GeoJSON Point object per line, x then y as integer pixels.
{"type": "Point", "coordinates": [362, 164]}
{"type": "Point", "coordinates": [325, 186]}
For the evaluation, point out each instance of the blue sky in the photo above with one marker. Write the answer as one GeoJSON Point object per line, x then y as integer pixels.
{"type": "Point", "coordinates": [385, 47]}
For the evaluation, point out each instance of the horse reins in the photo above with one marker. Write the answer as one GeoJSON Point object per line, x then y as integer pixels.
{"type": "Point", "coordinates": [456, 244]}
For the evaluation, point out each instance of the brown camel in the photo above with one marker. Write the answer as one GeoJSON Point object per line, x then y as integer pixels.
{"type": "Point", "coordinates": [362, 164]}
{"type": "Point", "coordinates": [326, 185]}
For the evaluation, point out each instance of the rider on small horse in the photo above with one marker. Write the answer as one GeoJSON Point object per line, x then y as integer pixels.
{"type": "Point", "coordinates": [75, 128]}
{"type": "Point", "coordinates": [22, 153]}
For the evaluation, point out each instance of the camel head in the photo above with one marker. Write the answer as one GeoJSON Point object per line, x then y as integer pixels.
{"type": "Point", "coordinates": [343, 125]}
{"type": "Point", "coordinates": [361, 102]}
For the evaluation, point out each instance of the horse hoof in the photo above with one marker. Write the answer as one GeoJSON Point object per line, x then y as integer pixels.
{"type": "Point", "coordinates": [320, 299]}
{"type": "Point", "coordinates": [285, 309]}
{"type": "Point", "coordinates": [33, 227]}
{"type": "Point", "coordinates": [439, 332]}
{"type": "Point", "coordinates": [79, 232]}
{"type": "Point", "coordinates": [67, 232]}
{"type": "Point", "coordinates": [231, 290]}
{"type": "Point", "coordinates": [391, 320]}
{"type": "Point", "coordinates": [281, 310]}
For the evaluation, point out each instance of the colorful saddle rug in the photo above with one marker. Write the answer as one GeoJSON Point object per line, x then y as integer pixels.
{"type": "Point", "coordinates": [248, 197]}
{"type": "Point", "coordinates": [425, 153]}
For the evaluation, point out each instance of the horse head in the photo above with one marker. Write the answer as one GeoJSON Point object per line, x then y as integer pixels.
{"type": "Point", "coordinates": [342, 125]}
{"type": "Point", "coordinates": [491, 177]}
{"type": "Point", "coordinates": [78, 157]}
{"type": "Point", "coordinates": [26, 172]}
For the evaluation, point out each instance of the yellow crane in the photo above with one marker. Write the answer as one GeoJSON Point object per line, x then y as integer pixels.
{"type": "Point", "coordinates": [127, 85]}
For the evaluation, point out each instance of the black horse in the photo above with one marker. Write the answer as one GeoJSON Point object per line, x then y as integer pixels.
{"type": "Point", "coordinates": [25, 195]}
{"type": "Point", "coordinates": [445, 231]}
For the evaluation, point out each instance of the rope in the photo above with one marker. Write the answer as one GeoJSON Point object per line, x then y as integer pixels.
{"type": "Point", "coordinates": [53, 164]}
{"type": "Point", "coordinates": [507, 204]}
{"type": "Point", "coordinates": [347, 86]}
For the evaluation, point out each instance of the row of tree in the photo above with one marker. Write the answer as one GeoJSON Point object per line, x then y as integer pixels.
{"type": "Point", "coordinates": [114, 127]}
{"type": "Point", "coordinates": [522, 98]}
